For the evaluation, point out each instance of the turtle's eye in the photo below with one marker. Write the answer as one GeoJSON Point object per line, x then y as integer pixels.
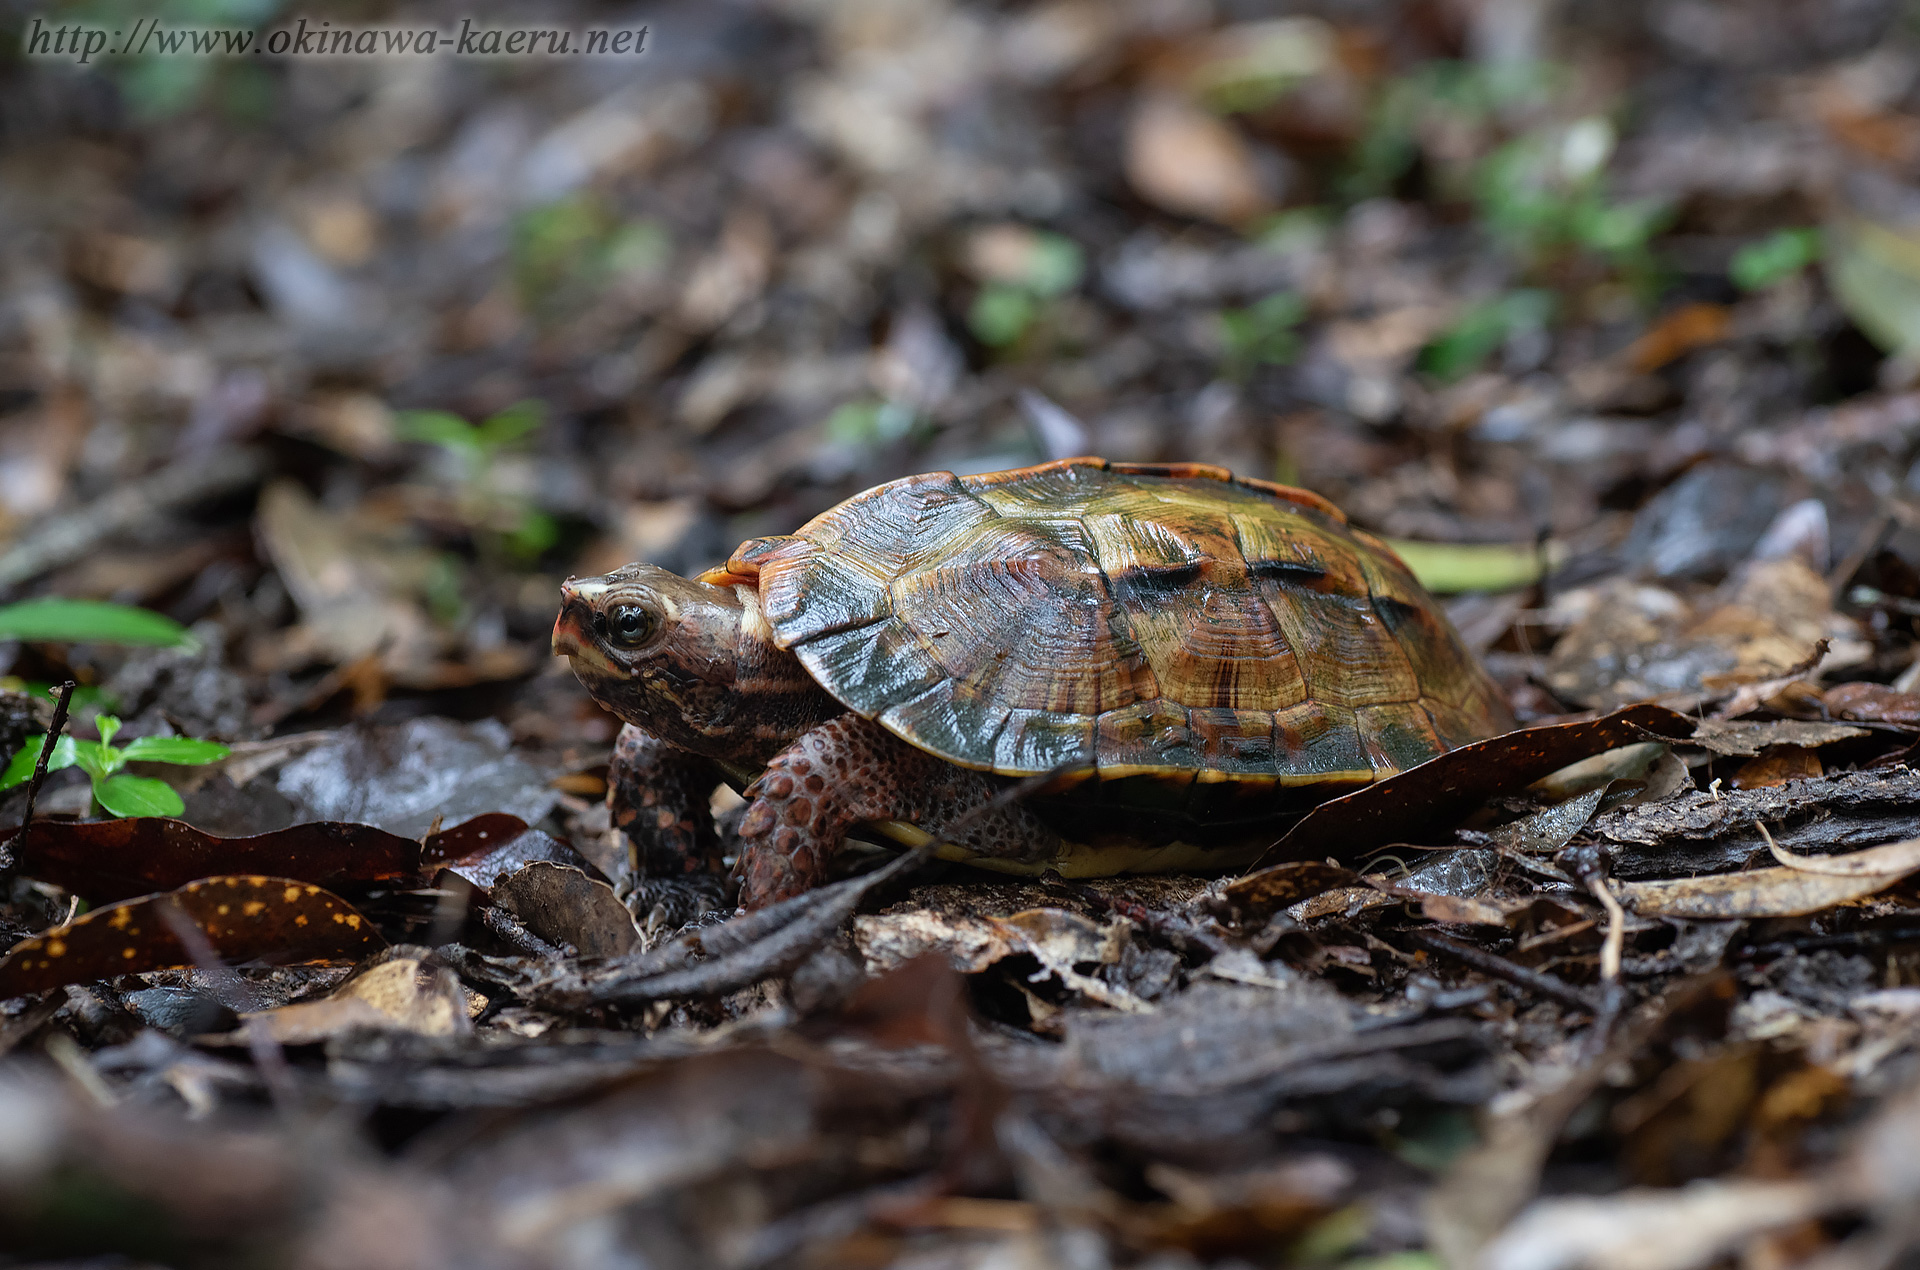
{"type": "Point", "coordinates": [629, 625]}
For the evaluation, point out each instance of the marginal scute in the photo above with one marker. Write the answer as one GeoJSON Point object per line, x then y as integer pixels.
{"type": "Point", "coordinates": [1397, 736]}
{"type": "Point", "coordinates": [1160, 620]}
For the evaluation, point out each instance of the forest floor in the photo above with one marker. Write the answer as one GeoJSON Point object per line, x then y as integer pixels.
{"type": "Point", "coordinates": [1607, 316]}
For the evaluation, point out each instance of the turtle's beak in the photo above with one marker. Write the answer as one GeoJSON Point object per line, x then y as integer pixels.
{"type": "Point", "coordinates": [571, 629]}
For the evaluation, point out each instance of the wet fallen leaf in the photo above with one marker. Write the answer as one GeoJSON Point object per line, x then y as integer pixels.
{"type": "Point", "coordinates": [1438, 794]}
{"type": "Point", "coordinates": [410, 777]}
{"type": "Point", "coordinates": [254, 918]}
{"type": "Point", "coordinates": [494, 845]}
{"type": "Point", "coordinates": [107, 860]}
{"type": "Point", "coordinates": [1874, 703]}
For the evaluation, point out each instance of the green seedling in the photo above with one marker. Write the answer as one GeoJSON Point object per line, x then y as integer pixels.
{"type": "Point", "coordinates": [579, 243]}
{"type": "Point", "coordinates": [1545, 192]}
{"type": "Point", "coordinates": [521, 531]}
{"type": "Point", "coordinates": [189, 58]}
{"type": "Point", "coordinates": [1484, 328]}
{"type": "Point", "coordinates": [117, 792]}
{"type": "Point", "coordinates": [1772, 259]}
{"type": "Point", "coordinates": [1262, 334]}
{"type": "Point", "coordinates": [54, 620]}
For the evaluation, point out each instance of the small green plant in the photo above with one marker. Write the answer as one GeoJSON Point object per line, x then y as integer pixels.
{"type": "Point", "coordinates": [55, 620]}
{"type": "Point", "coordinates": [1545, 192]}
{"type": "Point", "coordinates": [506, 519]}
{"type": "Point", "coordinates": [1006, 307]}
{"type": "Point", "coordinates": [117, 792]}
{"type": "Point", "coordinates": [171, 72]}
{"type": "Point", "coordinates": [1439, 96]}
{"type": "Point", "coordinates": [1779, 255]}
{"type": "Point", "coordinates": [1484, 328]}
{"type": "Point", "coordinates": [577, 242]}
{"type": "Point", "coordinates": [1262, 334]}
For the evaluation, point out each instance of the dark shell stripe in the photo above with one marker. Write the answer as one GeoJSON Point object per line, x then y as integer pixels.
{"type": "Point", "coordinates": [1146, 619]}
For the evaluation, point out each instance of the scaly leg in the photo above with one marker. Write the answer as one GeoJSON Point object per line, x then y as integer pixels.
{"type": "Point", "coordinates": [658, 796]}
{"type": "Point", "coordinates": [849, 770]}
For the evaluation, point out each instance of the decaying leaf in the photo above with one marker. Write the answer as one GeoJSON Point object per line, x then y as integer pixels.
{"type": "Point", "coordinates": [566, 907]}
{"type": "Point", "coordinates": [1260, 895]}
{"type": "Point", "coordinates": [1747, 738]}
{"type": "Point", "coordinates": [254, 918]}
{"type": "Point", "coordinates": [1062, 942]}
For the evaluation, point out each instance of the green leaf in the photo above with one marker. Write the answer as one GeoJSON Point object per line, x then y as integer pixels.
{"type": "Point", "coordinates": [1447, 568]}
{"type": "Point", "coordinates": [1055, 266]}
{"type": "Point", "coordinates": [1262, 333]}
{"type": "Point", "coordinates": [20, 769]}
{"type": "Point", "coordinates": [1874, 269]}
{"type": "Point", "coordinates": [1001, 314]}
{"type": "Point", "coordinates": [1779, 255]}
{"type": "Point", "coordinates": [438, 427]}
{"type": "Point", "coordinates": [90, 621]}
{"type": "Point", "coordinates": [1482, 329]}
{"type": "Point", "coordinates": [107, 725]}
{"type": "Point", "coordinates": [138, 796]}
{"type": "Point", "coordinates": [500, 430]}
{"type": "Point", "coordinates": [536, 532]}
{"type": "Point", "coordinates": [174, 749]}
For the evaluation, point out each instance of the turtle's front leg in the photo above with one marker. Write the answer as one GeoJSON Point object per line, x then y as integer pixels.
{"type": "Point", "coordinates": [659, 798]}
{"type": "Point", "coordinates": [849, 770]}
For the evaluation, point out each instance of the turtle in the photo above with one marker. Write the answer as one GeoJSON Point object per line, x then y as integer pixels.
{"type": "Point", "coordinates": [1183, 660]}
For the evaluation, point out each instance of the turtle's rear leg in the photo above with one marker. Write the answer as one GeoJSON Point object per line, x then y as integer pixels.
{"type": "Point", "coordinates": [659, 798]}
{"type": "Point", "coordinates": [850, 770]}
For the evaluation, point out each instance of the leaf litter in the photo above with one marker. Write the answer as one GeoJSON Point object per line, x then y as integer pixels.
{"type": "Point", "coordinates": [1635, 986]}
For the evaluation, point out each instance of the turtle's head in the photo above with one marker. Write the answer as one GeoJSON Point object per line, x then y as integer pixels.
{"type": "Point", "coordinates": [689, 662]}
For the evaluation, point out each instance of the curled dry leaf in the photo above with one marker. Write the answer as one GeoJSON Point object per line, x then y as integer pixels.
{"type": "Point", "coordinates": [259, 919]}
{"type": "Point", "coordinates": [403, 990]}
{"type": "Point", "coordinates": [1808, 885]}
{"type": "Point", "coordinates": [1262, 894]}
{"type": "Point", "coordinates": [1650, 1229]}
{"type": "Point", "coordinates": [564, 906]}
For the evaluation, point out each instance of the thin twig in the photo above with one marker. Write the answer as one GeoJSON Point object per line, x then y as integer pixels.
{"type": "Point", "coordinates": [1500, 968]}
{"type": "Point", "coordinates": [17, 846]}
